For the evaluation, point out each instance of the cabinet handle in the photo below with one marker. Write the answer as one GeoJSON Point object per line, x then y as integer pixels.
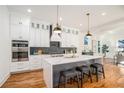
{"type": "Point", "coordinates": [20, 22]}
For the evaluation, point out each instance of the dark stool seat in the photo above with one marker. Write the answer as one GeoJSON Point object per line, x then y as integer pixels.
{"type": "Point", "coordinates": [68, 74]}
{"type": "Point", "coordinates": [98, 69]}
{"type": "Point", "coordinates": [96, 65]}
{"type": "Point", "coordinates": [84, 70]}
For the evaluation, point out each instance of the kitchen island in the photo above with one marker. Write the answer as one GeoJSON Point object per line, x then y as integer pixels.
{"type": "Point", "coordinates": [53, 65]}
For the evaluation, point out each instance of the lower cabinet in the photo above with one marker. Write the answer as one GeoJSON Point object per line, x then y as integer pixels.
{"type": "Point", "coordinates": [19, 66]}
{"type": "Point", "coordinates": [34, 63]}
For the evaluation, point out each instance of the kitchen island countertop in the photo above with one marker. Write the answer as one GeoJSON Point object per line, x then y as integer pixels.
{"type": "Point", "coordinates": [53, 64]}
{"type": "Point", "coordinates": [67, 59]}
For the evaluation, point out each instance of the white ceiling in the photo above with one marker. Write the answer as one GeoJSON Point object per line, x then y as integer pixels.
{"type": "Point", "coordinates": [74, 15]}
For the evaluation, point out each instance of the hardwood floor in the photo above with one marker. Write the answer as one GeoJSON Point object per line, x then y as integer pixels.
{"type": "Point", "coordinates": [32, 79]}
{"type": "Point", "coordinates": [114, 79]}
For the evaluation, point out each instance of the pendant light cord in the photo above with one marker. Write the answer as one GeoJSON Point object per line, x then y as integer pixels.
{"type": "Point", "coordinates": [88, 32]}
{"type": "Point", "coordinates": [57, 13]}
{"type": "Point", "coordinates": [88, 21]}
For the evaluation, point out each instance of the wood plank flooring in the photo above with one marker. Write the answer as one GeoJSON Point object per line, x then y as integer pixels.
{"type": "Point", "coordinates": [114, 79]}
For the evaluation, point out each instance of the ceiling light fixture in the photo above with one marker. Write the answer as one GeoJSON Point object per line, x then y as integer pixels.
{"type": "Point", "coordinates": [29, 10]}
{"type": "Point", "coordinates": [111, 32]}
{"type": "Point", "coordinates": [56, 36]}
{"type": "Point", "coordinates": [60, 18]}
{"type": "Point", "coordinates": [88, 32]}
{"type": "Point", "coordinates": [103, 14]}
{"type": "Point", "coordinates": [80, 24]}
{"type": "Point", "coordinates": [57, 28]}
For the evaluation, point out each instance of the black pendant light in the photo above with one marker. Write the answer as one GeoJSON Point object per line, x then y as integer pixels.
{"type": "Point", "coordinates": [88, 32]}
{"type": "Point", "coordinates": [57, 29]}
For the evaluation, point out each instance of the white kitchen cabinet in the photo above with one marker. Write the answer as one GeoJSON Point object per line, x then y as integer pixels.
{"type": "Point", "coordinates": [15, 18]}
{"type": "Point", "coordinates": [19, 66]}
{"type": "Point", "coordinates": [39, 34]}
{"type": "Point", "coordinates": [69, 37]}
{"type": "Point", "coordinates": [15, 32]}
{"type": "Point", "coordinates": [19, 26]}
{"type": "Point", "coordinates": [65, 39]}
{"type": "Point", "coordinates": [25, 33]}
{"type": "Point", "coordinates": [19, 32]}
{"type": "Point", "coordinates": [38, 38]}
{"type": "Point", "coordinates": [18, 18]}
{"type": "Point", "coordinates": [46, 38]}
{"type": "Point", "coordinates": [32, 37]}
{"type": "Point", "coordinates": [42, 37]}
{"type": "Point", "coordinates": [35, 62]}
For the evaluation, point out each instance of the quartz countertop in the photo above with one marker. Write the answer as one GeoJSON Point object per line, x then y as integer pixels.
{"type": "Point", "coordinates": [67, 59]}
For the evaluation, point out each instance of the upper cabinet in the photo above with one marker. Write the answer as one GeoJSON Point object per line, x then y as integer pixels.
{"type": "Point", "coordinates": [23, 27]}
{"type": "Point", "coordinates": [39, 33]}
{"type": "Point", "coordinates": [17, 18]}
{"type": "Point", "coordinates": [19, 26]}
{"type": "Point", "coordinates": [70, 37]}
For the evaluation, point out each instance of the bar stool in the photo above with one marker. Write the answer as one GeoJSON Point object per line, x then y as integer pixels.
{"type": "Point", "coordinates": [67, 75]}
{"type": "Point", "coordinates": [98, 68]}
{"type": "Point", "coordinates": [84, 70]}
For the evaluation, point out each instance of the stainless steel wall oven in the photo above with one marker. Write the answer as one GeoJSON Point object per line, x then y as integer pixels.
{"type": "Point", "coordinates": [19, 50]}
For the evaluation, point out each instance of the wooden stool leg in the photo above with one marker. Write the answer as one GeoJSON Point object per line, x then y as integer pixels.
{"type": "Point", "coordinates": [65, 82]}
{"type": "Point", "coordinates": [81, 79]}
{"type": "Point", "coordinates": [77, 80]}
{"type": "Point", "coordinates": [103, 72]}
{"type": "Point", "coordinates": [96, 75]}
{"type": "Point", "coordinates": [59, 81]}
{"type": "Point", "coordinates": [90, 76]}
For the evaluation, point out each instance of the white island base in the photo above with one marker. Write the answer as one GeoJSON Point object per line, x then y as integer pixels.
{"type": "Point", "coordinates": [53, 65]}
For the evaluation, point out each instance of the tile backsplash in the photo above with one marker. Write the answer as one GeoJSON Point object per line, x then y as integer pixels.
{"type": "Point", "coordinates": [50, 50]}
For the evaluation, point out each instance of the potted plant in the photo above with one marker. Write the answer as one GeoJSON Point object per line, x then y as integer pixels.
{"type": "Point", "coordinates": [105, 49]}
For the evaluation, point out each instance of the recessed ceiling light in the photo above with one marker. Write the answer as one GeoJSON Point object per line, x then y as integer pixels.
{"type": "Point", "coordinates": [103, 14]}
{"type": "Point", "coordinates": [60, 18]}
{"type": "Point", "coordinates": [29, 10]}
{"type": "Point", "coordinates": [80, 24]}
{"type": "Point", "coordinates": [111, 32]}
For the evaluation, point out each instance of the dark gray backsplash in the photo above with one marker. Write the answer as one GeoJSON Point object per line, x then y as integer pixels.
{"type": "Point", "coordinates": [51, 50]}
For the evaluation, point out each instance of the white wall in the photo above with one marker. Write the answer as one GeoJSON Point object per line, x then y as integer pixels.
{"type": "Point", "coordinates": [110, 34]}
{"type": "Point", "coordinates": [4, 44]}
{"type": "Point", "coordinates": [111, 39]}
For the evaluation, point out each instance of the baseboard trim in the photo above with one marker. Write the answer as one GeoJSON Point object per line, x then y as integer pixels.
{"type": "Point", "coordinates": [4, 80]}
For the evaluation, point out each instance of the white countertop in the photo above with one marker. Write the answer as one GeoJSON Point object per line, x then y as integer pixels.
{"type": "Point", "coordinates": [65, 59]}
